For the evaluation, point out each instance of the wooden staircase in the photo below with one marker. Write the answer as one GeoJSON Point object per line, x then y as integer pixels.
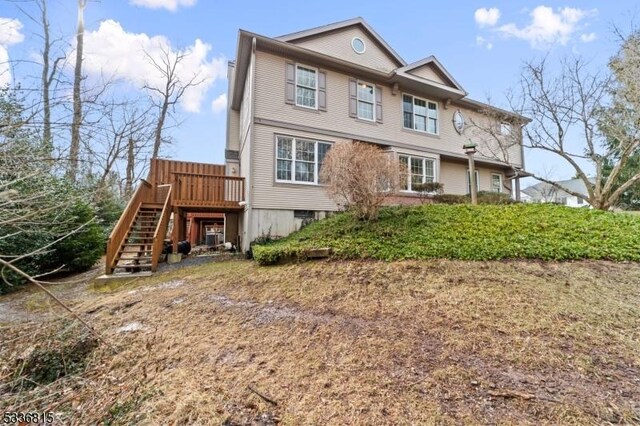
{"type": "Point", "coordinates": [172, 188]}
{"type": "Point", "coordinates": [135, 253]}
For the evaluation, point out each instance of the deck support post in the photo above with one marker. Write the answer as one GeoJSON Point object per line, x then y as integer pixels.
{"type": "Point", "coordinates": [175, 232]}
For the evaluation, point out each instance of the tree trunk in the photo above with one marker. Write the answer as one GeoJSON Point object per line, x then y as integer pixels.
{"type": "Point", "coordinates": [46, 83]}
{"type": "Point", "coordinates": [128, 187]}
{"type": "Point", "coordinates": [161, 119]}
{"type": "Point", "coordinates": [74, 150]}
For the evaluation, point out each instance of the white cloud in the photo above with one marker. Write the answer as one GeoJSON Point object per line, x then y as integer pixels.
{"type": "Point", "coordinates": [586, 38]}
{"type": "Point", "coordinates": [548, 27]}
{"type": "Point", "coordinates": [111, 51]}
{"type": "Point", "coordinates": [487, 17]}
{"type": "Point", "coordinates": [481, 41]}
{"type": "Point", "coordinates": [171, 5]}
{"type": "Point", "coordinates": [10, 31]}
{"type": "Point", "coordinates": [219, 104]}
{"type": "Point", "coordinates": [9, 34]}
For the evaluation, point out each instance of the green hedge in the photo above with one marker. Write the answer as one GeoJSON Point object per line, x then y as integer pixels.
{"type": "Point", "coordinates": [483, 232]}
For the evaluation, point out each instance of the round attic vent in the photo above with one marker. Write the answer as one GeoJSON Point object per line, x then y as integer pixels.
{"type": "Point", "coordinates": [358, 45]}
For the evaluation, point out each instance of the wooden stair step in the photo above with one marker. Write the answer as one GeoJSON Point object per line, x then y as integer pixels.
{"type": "Point", "coordinates": [135, 259]}
{"type": "Point", "coordinates": [147, 265]}
{"type": "Point", "coordinates": [137, 253]}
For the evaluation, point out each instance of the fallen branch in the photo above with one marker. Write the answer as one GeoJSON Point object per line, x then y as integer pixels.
{"type": "Point", "coordinates": [55, 298]}
{"type": "Point", "coordinates": [261, 395]}
{"type": "Point", "coordinates": [521, 395]}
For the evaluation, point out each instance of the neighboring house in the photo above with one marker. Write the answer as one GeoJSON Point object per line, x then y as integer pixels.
{"type": "Point", "coordinates": [543, 192]}
{"type": "Point", "coordinates": [292, 97]}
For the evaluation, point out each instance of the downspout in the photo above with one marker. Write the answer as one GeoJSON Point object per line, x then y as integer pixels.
{"type": "Point", "coordinates": [249, 185]}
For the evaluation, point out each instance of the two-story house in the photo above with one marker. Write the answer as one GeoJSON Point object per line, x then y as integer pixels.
{"type": "Point", "coordinates": [292, 97]}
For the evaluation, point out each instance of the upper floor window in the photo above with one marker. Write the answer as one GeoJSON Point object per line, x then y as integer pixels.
{"type": "Point", "coordinates": [420, 114]}
{"type": "Point", "coordinates": [366, 101]}
{"type": "Point", "coordinates": [505, 129]}
{"type": "Point", "coordinates": [496, 182]}
{"type": "Point", "coordinates": [299, 160]}
{"type": "Point", "coordinates": [306, 87]}
{"type": "Point", "coordinates": [419, 170]}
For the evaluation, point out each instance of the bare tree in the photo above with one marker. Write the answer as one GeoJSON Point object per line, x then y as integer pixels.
{"type": "Point", "coordinates": [49, 72]}
{"type": "Point", "coordinates": [498, 131]}
{"type": "Point", "coordinates": [573, 113]}
{"type": "Point", "coordinates": [361, 177]}
{"type": "Point", "coordinates": [172, 90]}
{"type": "Point", "coordinates": [620, 121]}
{"type": "Point", "coordinates": [122, 133]}
{"type": "Point", "coordinates": [74, 148]}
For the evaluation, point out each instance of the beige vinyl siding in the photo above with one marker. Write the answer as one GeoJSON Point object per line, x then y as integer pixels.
{"type": "Point", "coordinates": [454, 177]}
{"type": "Point", "coordinates": [267, 194]}
{"type": "Point", "coordinates": [338, 44]}
{"type": "Point", "coordinates": [270, 93]}
{"type": "Point", "coordinates": [233, 133]}
{"type": "Point", "coordinates": [428, 72]}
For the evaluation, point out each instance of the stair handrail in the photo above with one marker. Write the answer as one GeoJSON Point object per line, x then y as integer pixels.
{"type": "Point", "coordinates": [161, 229]}
{"type": "Point", "coordinates": [120, 230]}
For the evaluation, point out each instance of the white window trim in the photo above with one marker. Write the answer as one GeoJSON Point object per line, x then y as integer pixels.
{"type": "Point", "coordinates": [437, 133]}
{"type": "Point", "coordinates": [436, 169]}
{"type": "Point", "coordinates": [364, 49]}
{"type": "Point", "coordinates": [468, 184]}
{"type": "Point", "coordinates": [295, 80]}
{"type": "Point", "coordinates": [293, 160]}
{"type": "Point", "coordinates": [373, 104]}
{"type": "Point", "coordinates": [507, 125]}
{"type": "Point", "coordinates": [500, 189]}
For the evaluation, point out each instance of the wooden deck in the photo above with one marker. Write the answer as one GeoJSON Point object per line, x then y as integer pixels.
{"type": "Point", "coordinates": [174, 187]}
{"type": "Point", "coordinates": [198, 186]}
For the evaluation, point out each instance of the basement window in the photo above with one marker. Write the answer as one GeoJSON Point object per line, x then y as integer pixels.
{"type": "Point", "coordinates": [304, 214]}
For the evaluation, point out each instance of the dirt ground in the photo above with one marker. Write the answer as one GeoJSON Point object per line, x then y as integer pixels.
{"type": "Point", "coordinates": [433, 342]}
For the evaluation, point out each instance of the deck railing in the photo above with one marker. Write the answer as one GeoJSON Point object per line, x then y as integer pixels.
{"type": "Point", "coordinates": [142, 194]}
{"type": "Point", "coordinates": [204, 190]}
{"type": "Point", "coordinates": [161, 228]}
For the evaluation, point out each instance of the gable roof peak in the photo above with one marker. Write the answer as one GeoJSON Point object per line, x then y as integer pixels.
{"type": "Point", "coordinates": [431, 60]}
{"type": "Point", "coordinates": [357, 21]}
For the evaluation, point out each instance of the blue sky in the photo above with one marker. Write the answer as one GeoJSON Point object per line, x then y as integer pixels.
{"type": "Point", "coordinates": [482, 44]}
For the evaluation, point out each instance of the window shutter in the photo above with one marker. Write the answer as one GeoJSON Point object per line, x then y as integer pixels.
{"type": "Point", "coordinates": [353, 97]}
{"type": "Point", "coordinates": [322, 91]}
{"type": "Point", "coordinates": [290, 84]}
{"type": "Point", "coordinates": [379, 104]}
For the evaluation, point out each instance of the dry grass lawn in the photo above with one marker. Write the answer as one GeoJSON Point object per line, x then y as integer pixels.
{"type": "Point", "coordinates": [413, 342]}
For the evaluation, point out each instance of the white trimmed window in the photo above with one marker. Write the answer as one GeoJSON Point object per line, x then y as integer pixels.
{"type": "Point", "coordinates": [469, 181]}
{"type": "Point", "coordinates": [418, 169]}
{"type": "Point", "coordinates": [420, 114]}
{"type": "Point", "coordinates": [505, 129]}
{"type": "Point", "coordinates": [299, 160]}
{"type": "Point", "coordinates": [496, 182]}
{"type": "Point", "coordinates": [366, 96]}
{"type": "Point", "coordinates": [306, 87]}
